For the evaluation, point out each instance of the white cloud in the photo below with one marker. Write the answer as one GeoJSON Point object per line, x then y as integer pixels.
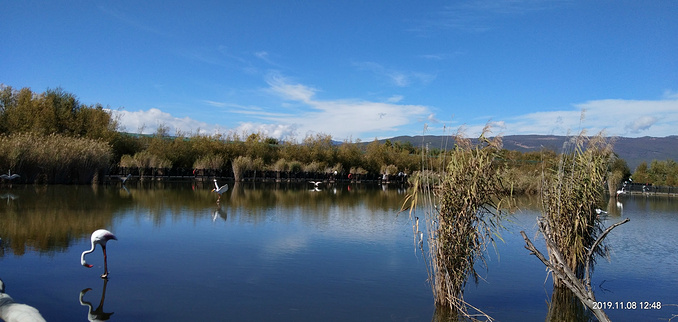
{"type": "Point", "coordinates": [617, 117]}
{"type": "Point", "coordinates": [341, 118]}
{"type": "Point", "coordinates": [147, 122]}
{"type": "Point", "coordinates": [300, 113]}
{"type": "Point", "coordinates": [295, 92]}
{"type": "Point", "coordinates": [641, 124]}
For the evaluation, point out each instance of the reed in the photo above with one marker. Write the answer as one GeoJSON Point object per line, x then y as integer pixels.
{"type": "Point", "coordinates": [54, 158]}
{"type": "Point", "coordinates": [571, 194]}
{"type": "Point", "coordinates": [240, 165]}
{"type": "Point", "coordinates": [463, 212]}
{"type": "Point", "coordinates": [209, 162]}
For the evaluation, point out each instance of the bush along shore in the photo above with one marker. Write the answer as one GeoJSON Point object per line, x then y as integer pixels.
{"type": "Point", "coordinates": [51, 137]}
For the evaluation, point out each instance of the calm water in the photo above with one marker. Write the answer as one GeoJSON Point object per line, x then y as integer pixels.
{"type": "Point", "coordinates": [287, 253]}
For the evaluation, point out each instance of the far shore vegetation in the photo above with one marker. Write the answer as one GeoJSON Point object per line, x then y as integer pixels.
{"type": "Point", "coordinates": [51, 137]}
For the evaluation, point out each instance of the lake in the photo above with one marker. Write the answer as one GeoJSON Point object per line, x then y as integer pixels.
{"type": "Point", "coordinates": [289, 252]}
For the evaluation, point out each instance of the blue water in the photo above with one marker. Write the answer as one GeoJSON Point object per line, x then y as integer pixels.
{"type": "Point", "coordinates": [287, 253]}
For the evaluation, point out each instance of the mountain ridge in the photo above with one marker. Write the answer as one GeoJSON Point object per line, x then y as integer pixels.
{"type": "Point", "coordinates": [633, 150]}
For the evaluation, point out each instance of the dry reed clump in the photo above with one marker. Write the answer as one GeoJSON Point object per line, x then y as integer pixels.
{"type": "Point", "coordinates": [145, 162]}
{"type": "Point", "coordinates": [571, 195]}
{"type": "Point", "coordinates": [240, 165]}
{"type": "Point", "coordinates": [209, 162]}
{"type": "Point", "coordinates": [463, 208]}
{"type": "Point", "coordinates": [54, 158]}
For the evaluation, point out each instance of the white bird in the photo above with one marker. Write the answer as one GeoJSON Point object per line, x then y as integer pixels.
{"type": "Point", "coordinates": [219, 190]}
{"type": "Point", "coordinates": [11, 311]}
{"type": "Point", "coordinates": [315, 183]}
{"type": "Point", "coordinates": [600, 211]}
{"type": "Point", "coordinates": [9, 175]}
{"type": "Point", "coordinates": [100, 237]}
{"type": "Point", "coordinates": [620, 192]}
{"type": "Point", "coordinates": [124, 179]}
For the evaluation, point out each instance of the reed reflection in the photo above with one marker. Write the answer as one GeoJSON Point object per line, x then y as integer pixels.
{"type": "Point", "coordinates": [565, 306]}
{"type": "Point", "coordinates": [12, 311]}
{"type": "Point", "coordinates": [97, 314]}
{"type": "Point", "coordinates": [49, 219]}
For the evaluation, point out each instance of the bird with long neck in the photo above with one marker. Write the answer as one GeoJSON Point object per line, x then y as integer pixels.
{"type": "Point", "coordinates": [99, 237]}
{"type": "Point", "coordinates": [219, 190]}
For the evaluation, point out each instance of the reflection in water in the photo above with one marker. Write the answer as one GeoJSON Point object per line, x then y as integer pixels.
{"type": "Point", "coordinates": [9, 196]}
{"type": "Point", "coordinates": [11, 311]}
{"type": "Point", "coordinates": [565, 307]}
{"type": "Point", "coordinates": [48, 219]}
{"type": "Point", "coordinates": [97, 314]}
{"type": "Point", "coordinates": [294, 252]}
{"type": "Point", "coordinates": [219, 213]}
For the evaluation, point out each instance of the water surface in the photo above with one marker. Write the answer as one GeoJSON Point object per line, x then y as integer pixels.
{"type": "Point", "coordinates": [290, 253]}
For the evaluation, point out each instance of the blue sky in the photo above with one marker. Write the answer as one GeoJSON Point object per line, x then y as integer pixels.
{"type": "Point", "coordinates": [355, 69]}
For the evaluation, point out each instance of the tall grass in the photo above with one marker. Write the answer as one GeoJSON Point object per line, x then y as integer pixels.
{"type": "Point", "coordinates": [571, 195]}
{"type": "Point", "coordinates": [240, 165]}
{"type": "Point", "coordinates": [54, 158]}
{"type": "Point", "coordinates": [463, 213]}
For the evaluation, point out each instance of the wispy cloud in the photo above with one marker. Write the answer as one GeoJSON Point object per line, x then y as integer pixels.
{"type": "Point", "coordinates": [393, 76]}
{"type": "Point", "coordinates": [130, 20]}
{"type": "Point", "coordinates": [478, 15]}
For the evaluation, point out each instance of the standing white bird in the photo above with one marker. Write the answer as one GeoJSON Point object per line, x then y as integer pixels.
{"type": "Point", "coordinates": [9, 175]}
{"type": "Point", "coordinates": [100, 237]}
{"type": "Point", "coordinates": [219, 190]}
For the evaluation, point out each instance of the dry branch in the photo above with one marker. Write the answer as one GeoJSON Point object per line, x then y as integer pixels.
{"type": "Point", "coordinates": [558, 266]}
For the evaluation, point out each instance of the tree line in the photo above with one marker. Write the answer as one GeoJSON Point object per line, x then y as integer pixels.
{"type": "Point", "coordinates": [86, 144]}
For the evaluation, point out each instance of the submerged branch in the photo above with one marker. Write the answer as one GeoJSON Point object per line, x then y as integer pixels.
{"type": "Point", "coordinates": [558, 266]}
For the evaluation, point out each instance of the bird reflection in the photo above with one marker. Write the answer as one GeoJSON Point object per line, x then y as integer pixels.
{"type": "Point", "coordinates": [219, 213]}
{"type": "Point", "coordinates": [12, 311]}
{"type": "Point", "coordinates": [9, 196]}
{"type": "Point", "coordinates": [97, 314]}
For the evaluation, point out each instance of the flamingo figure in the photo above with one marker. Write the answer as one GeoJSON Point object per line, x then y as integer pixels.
{"type": "Point", "coordinates": [9, 175]}
{"type": "Point", "coordinates": [219, 190]}
{"type": "Point", "coordinates": [100, 237]}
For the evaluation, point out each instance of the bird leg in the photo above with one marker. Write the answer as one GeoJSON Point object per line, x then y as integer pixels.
{"type": "Point", "coordinates": [105, 275]}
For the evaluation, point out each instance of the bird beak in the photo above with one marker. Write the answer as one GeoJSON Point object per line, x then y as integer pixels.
{"type": "Point", "coordinates": [87, 265]}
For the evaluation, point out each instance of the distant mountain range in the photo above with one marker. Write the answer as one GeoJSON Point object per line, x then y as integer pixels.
{"type": "Point", "coordinates": [633, 150]}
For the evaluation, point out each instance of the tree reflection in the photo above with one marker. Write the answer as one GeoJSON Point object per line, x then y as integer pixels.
{"type": "Point", "coordinates": [48, 219]}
